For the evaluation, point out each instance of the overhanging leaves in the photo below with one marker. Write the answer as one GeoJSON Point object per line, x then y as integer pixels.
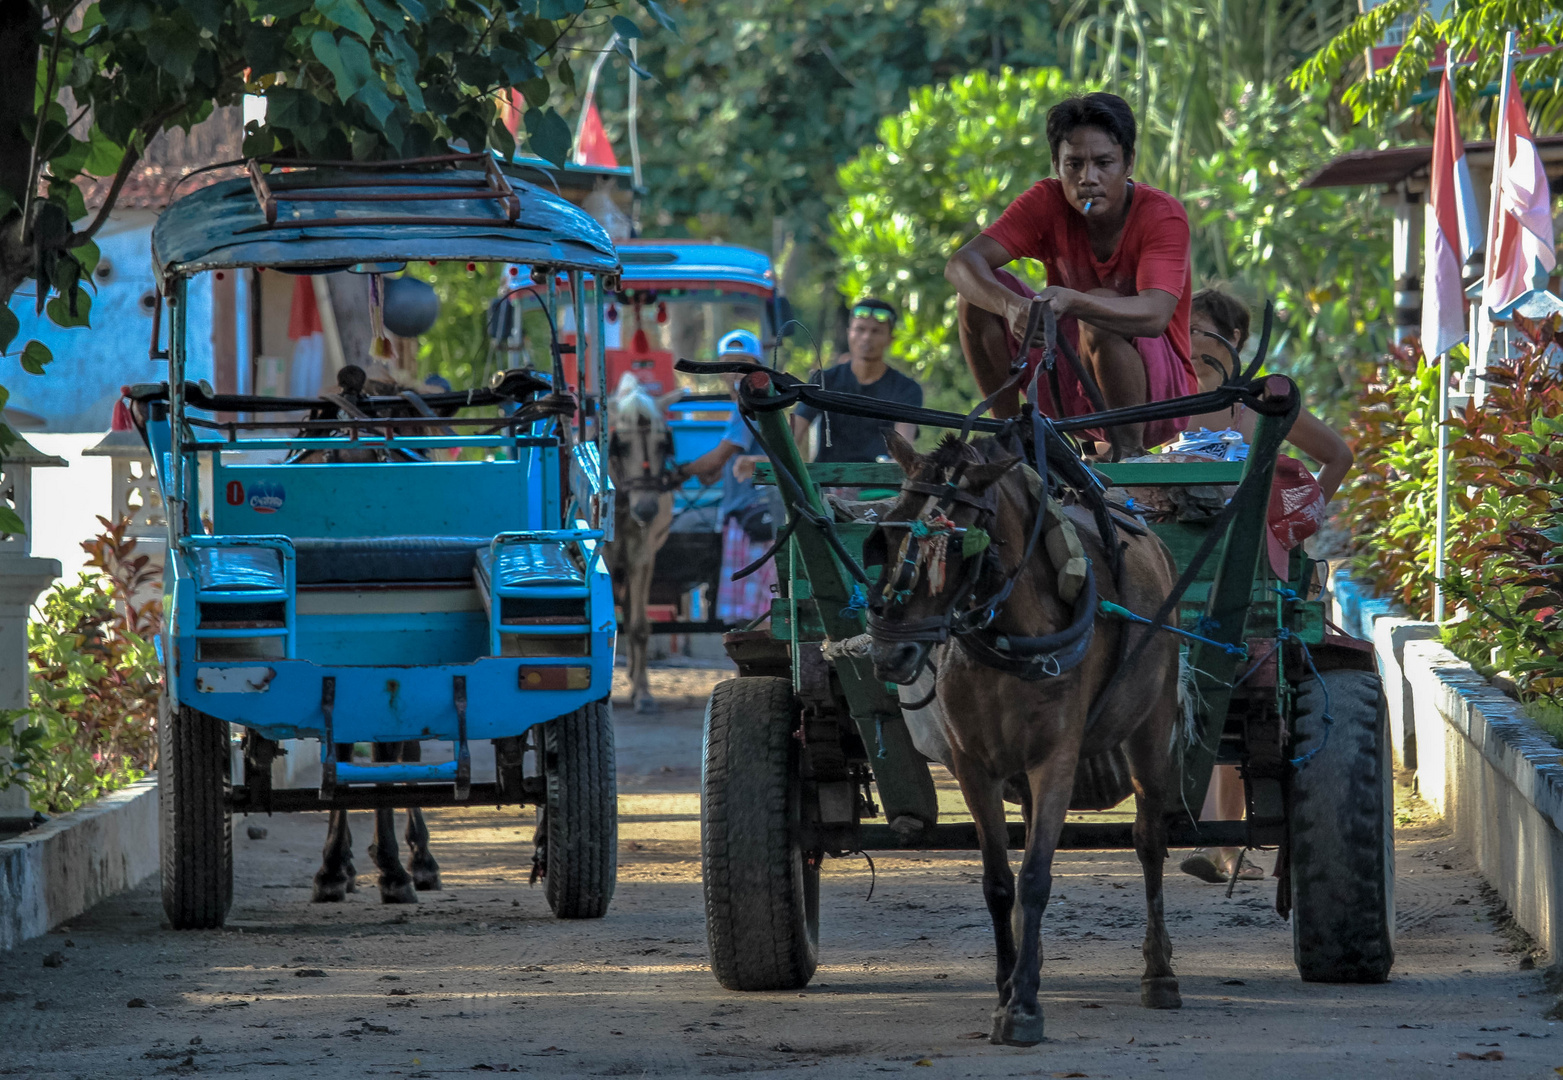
{"type": "Point", "coordinates": [35, 357]}
{"type": "Point", "coordinates": [548, 135]}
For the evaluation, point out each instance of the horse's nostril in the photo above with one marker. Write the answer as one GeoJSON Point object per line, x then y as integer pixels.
{"type": "Point", "coordinates": [644, 509]}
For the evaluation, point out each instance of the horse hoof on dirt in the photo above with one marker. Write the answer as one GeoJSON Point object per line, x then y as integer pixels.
{"type": "Point", "coordinates": [1160, 992]}
{"type": "Point", "coordinates": [330, 891]}
{"type": "Point", "coordinates": [647, 705]}
{"type": "Point", "coordinates": [400, 892]}
{"type": "Point", "coordinates": [426, 879]}
{"type": "Point", "coordinates": [1016, 1027]}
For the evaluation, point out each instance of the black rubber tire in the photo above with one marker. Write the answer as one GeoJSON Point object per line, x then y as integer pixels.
{"type": "Point", "coordinates": [582, 812]}
{"type": "Point", "coordinates": [195, 826]}
{"type": "Point", "coordinates": [1342, 820]}
{"type": "Point", "coordinates": [761, 892]}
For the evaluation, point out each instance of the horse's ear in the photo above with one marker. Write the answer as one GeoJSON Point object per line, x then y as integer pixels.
{"type": "Point", "coordinates": [667, 399]}
{"type": "Point", "coordinates": [981, 477]}
{"type": "Point", "coordinates": [901, 451]}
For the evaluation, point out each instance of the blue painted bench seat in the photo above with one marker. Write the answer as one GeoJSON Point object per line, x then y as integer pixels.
{"type": "Point", "coordinates": [366, 560]}
{"type": "Point", "coordinates": [524, 566]}
{"type": "Point", "coordinates": [238, 569]}
{"type": "Point", "coordinates": [353, 560]}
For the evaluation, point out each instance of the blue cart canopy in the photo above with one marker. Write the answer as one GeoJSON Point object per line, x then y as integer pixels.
{"type": "Point", "coordinates": [326, 219]}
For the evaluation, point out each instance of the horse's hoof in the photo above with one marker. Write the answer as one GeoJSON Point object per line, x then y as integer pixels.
{"type": "Point", "coordinates": [1160, 992]}
{"type": "Point", "coordinates": [647, 706]}
{"type": "Point", "coordinates": [329, 891]}
{"type": "Point", "coordinates": [352, 882]}
{"type": "Point", "coordinates": [401, 892]}
{"type": "Point", "coordinates": [426, 879]}
{"type": "Point", "coordinates": [1014, 1026]}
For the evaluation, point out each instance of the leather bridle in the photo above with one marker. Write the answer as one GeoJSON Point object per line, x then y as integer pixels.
{"type": "Point", "coordinates": [659, 479]}
{"type": "Point", "coordinates": [969, 613]}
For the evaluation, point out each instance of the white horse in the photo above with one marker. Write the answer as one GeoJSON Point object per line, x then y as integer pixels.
{"type": "Point", "coordinates": [640, 459]}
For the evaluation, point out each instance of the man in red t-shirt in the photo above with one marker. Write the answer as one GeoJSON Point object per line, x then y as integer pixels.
{"type": "Point", "coordinates": [1117, 259]}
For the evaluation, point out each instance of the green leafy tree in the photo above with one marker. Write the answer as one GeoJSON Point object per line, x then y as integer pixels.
{"type": "Point", "coordinates": [1475, 31]}
{"type": "Point", "coordinates": [1322, 256]}
{"type": "Point", "coordinates": [942, 169]}
{"type": "Point", "coordinates": [1178, 64]}
{"type": "Point", "coordinates": [85, 86]}
{"type": "Point", "coordinates": [761, 100]}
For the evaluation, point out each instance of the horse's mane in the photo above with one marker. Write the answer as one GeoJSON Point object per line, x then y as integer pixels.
{"type": "Point", "coordinates": [952, 450]}
{"type": "Point", "coordinates": [631, 401]}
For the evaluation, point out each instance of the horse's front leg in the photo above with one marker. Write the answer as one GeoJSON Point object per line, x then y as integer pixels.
{"type": "Point", "coordinates": [1020, 1023]}
{"type": "Point", "coordinates": [985, 800]}
{"type": "Point", "coordinates": [337, 876]}
{"type": "Point", "coordinates": [395, 883]}
{"type": "Point", "coordinates": [1149, 762]}
{"type": "Point", "coordinates": [639, 593]}
{"type": "Point", "coordinates": [420, 860]}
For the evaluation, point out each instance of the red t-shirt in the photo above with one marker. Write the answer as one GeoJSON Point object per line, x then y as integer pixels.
{"type": "Point", "coordinates": [1153, 252]}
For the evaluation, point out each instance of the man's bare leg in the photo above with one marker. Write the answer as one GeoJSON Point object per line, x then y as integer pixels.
{"type": "Point", "coordinates": [1119, 370]}
{"type": "Point", "coordinates": [985, 342]}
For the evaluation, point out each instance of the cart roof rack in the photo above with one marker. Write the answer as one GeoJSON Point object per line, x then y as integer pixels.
{"type": "Point", "coordinates": [312, 216]}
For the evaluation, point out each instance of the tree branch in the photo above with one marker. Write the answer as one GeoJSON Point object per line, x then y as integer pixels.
{"type": "Point", "coordinates": [147, 131]}
{"type": "Point", "coordinates": [127, 163]}
{"type": "Point", "coordinates": [33, 162]}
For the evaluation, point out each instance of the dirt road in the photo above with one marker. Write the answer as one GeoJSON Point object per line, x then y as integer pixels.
{"type": "Point", "coordinates": [479, 978]}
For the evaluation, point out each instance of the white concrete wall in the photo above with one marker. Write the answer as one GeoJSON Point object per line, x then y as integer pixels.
{"type": "Point", "coordinates": [1479, 761]}
{"type": "Point", "coordinates": [59, 870]}
{"type": "Point", "coordinates": [1497, 778]}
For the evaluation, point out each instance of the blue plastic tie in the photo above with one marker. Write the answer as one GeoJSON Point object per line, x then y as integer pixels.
{"type": "Point", "coordinates": [1329, 721]}
{"type": "Point", "coordinates": [1230, 650]}
{"type": "Point", "coordinates": [879, 735]}
{"type": "Point", "coordinates": [857, 604]}
{"type": "Point", "coordinates": [1286, 594]}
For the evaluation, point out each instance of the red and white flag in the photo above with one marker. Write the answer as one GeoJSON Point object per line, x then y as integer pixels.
{"type": "Point", "coordinates": [1452, 232]}
{"type": "Point", "coordinates": [306, 373]}
{"type": "Point", "coordinates": [1520, 255]}
{"type": "Point", "coordinates": [592, 146]}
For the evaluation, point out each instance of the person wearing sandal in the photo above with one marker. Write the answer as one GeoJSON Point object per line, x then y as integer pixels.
{"type": "Point", "coordinates": [1218, 316]}
{"type": "Point", "coordinates": [1224, 802]}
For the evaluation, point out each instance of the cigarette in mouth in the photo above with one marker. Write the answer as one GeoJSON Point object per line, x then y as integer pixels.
{"type": "Point", "coordinates": [1086, 209]}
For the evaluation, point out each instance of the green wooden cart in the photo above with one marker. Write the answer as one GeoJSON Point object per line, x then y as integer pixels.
{"type": "Point", "coordinates": [808, 756]}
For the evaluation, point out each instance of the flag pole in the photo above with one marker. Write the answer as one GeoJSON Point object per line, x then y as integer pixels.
{"type": "Point", "coordinates": [1441, 530]}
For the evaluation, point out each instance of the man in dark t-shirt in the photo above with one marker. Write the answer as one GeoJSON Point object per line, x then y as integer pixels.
{"type": "Point", "coordinates": [861, 370]}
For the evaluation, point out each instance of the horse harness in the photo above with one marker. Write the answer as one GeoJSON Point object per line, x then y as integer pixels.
{"type": "Point", "coordinates": [924, 552]}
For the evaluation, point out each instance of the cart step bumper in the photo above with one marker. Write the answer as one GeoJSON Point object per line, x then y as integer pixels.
{"type": "Point", "coordinates": [397, 772]}
{"type": "Point", "coordinates": [335, 774]}
{"type": "Point", "coordinates": [305, 800]}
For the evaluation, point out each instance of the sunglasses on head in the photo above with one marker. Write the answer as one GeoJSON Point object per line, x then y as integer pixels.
{"type": "Point", "coordinates": [878, 314]}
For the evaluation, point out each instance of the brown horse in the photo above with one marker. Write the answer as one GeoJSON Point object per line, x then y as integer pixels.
{"type": "Point", "coordinates": [1026, 732]}
{"type": "Point", "coordinates": [640, 460]}
{"type": "Point", "coordinates": [337, 876]}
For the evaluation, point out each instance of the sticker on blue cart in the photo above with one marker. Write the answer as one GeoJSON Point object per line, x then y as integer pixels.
{"type": "Point", "coordinates": [266, 498]}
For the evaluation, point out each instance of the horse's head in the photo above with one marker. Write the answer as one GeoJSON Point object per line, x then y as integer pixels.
{"type": "Point", "coordinates": [931, 548]}
{"type": "Point", "coordinates": [640, 447]}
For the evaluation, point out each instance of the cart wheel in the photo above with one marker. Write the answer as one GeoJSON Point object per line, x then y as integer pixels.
{"type": "Point", "coordinates": [195, 825]}
{"type": "Point", "coordinates": [762, 893]}
{"type": "Point", "coordinates": [1342, 833]}
{"type": "Point", "coordinates": [581, 816]}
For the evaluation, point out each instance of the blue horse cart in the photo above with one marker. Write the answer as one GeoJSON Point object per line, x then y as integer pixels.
{"type": "Point", "coordinates": [677, 298]}
{"type": "Point", "coordinates": [397, 567]}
